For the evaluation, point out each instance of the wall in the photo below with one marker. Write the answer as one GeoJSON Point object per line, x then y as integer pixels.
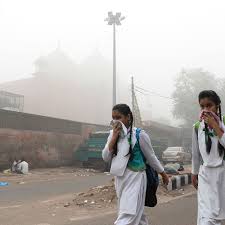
{"type": "Point", "coordinates": [43, 141]}
{"type": "Point", "coordinates": [48, 142]}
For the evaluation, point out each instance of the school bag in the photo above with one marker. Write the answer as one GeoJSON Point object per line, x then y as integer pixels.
{"type": "Point", "coordinates": [152, 179]}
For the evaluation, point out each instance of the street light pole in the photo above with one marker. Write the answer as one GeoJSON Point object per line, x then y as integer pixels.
{"type": "Point", "coordinates": [114, 20]}
{"type": "Point", "coordinates": [114, 64]}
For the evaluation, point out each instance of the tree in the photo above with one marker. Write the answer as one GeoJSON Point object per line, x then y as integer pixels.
{"type": "Point", "coordinates": [188, 84]}
{"type": "Point", "coordinates": [164, 120]}
{"type": "Point", "coordinates": [221, 93]}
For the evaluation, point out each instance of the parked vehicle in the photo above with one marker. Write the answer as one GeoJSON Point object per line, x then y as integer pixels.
{"type": "Point", "coordinates": [89, 153]}
{"type": "Point", "coordinates": [176, 154]}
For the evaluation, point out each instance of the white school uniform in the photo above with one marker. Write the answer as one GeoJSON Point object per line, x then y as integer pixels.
{"type": "Point", "coordinates": [130, 186]}
{"type": "Point", "coordinates": [211, 178]}
{"type": "Point", "coordinates": [23, 167]}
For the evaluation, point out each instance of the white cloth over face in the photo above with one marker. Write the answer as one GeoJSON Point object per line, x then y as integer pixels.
{"type": "Point", "coordinates": [118, 162]}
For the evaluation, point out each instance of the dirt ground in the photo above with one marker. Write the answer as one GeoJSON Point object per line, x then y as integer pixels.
{"type": "Point", "coordinates": [105, 196]}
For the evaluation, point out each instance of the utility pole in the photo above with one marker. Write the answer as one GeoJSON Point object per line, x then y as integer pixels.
{"type": "Point", "coordinates": [132, 92]}
{"type": "Point", "coordinates": [135, 107]}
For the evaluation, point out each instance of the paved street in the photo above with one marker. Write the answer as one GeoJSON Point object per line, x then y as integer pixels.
{"type": "Point", "coordinates": [181, 211]}
{"type": "Point", "coordinates": [30, 192]}
{"type": "Point", "coordinates": [178, 212]}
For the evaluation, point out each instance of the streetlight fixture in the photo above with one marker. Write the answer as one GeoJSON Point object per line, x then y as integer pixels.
{"type": "Point", "coordinates": [114, 20]}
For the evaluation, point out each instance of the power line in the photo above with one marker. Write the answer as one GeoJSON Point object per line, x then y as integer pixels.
{"type": "Point", "coordinates": [147, 93]}
{"type": "Point", "coordinates": [141, 88]}
{"type": "Point", "coordinates": [159, 95]}
{"type": "Point", "coordinates": [154, 93]}
{"type": "Point", "coordinates": [140, 92]}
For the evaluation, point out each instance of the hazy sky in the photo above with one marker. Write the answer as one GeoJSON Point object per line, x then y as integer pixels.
{"type": "Point", "coordinates": [156, 40]}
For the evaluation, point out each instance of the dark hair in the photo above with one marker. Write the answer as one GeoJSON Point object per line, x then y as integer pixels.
{"type": "Point", "coordinates": [212, 95]}
{"type": "Point", "coordinates": [125, 110]}
{"type": "Point", "coordinates": [23, 159]}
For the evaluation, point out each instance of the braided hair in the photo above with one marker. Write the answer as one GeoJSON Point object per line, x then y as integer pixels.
{"type": "Point", "coordinates": [125, 110]}
{"type": "Point", "coordinates": [212, 95]}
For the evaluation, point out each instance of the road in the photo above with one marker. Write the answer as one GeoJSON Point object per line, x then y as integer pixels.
{"type": "Point", "coordinates": [181, 211]}
{"type": "Point", "coordinates": [30, 192]}
{"type": "Point", "coordinates": [178, 212]}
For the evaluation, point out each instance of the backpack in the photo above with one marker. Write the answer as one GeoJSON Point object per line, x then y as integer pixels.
{"type": "Point", "coordinates": [152, 180]}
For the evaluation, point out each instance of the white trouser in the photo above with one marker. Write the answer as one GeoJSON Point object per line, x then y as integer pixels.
{"type": "Point", "coordinates": [126, 219]}
{"type": "Point", "coordinates": [207, 221]}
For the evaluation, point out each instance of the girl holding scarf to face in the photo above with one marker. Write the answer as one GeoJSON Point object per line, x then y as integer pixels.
{"type": "Point", "coordinates": [128, 166]}
{"type": "Point", "coordinates": [208, 160]}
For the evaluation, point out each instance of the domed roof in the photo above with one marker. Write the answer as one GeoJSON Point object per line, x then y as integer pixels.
{"type": "Point", "coordinates": [56, 60]}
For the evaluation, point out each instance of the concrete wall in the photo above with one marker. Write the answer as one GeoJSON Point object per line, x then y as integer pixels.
{"type": "Point", "coordinates": [40, 149]}
{"type": "Point", "coordinates": [50, 142]}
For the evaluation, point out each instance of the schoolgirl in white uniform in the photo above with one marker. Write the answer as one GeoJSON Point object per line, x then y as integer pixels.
{"type": "Point", "coordinates": [129, 167]}
{"type": "Point", "coordinates": [208, 165]}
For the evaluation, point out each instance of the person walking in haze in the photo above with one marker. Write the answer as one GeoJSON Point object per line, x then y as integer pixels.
{"type": "Point", "coordinates": [208, 165]}
{"type": "Point", "coordinates": [127, 156]}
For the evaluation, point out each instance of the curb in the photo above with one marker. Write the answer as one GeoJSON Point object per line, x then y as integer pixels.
{"type": "Point", "coordinates": [176, 182]}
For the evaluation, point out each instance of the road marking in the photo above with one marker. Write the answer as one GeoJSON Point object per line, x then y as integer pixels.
{"type": "Point", "coordinates": [178, 197]}
{"type": "Point", "coordinates": [47, 201]}
{"type": "Point", "coordinates": [43, 224]}
{"type": "Point", "coordinates": [92, 216]}
{"type": "Point", "coordinates": [10, 207]}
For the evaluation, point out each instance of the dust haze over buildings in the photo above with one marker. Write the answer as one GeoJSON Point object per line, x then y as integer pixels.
{"type": "Point", "coordinates": [63, 89]}
{"type": "Point", "coordinates": [74, 80]}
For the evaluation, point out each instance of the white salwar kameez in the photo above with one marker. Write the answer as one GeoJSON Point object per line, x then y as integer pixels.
{"type": "Point", "coordinates": [211, 178]}
{"type": "Point", "coordinates": [131, 186]}
{"type": "Point", "coordinates": [130, 190]}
